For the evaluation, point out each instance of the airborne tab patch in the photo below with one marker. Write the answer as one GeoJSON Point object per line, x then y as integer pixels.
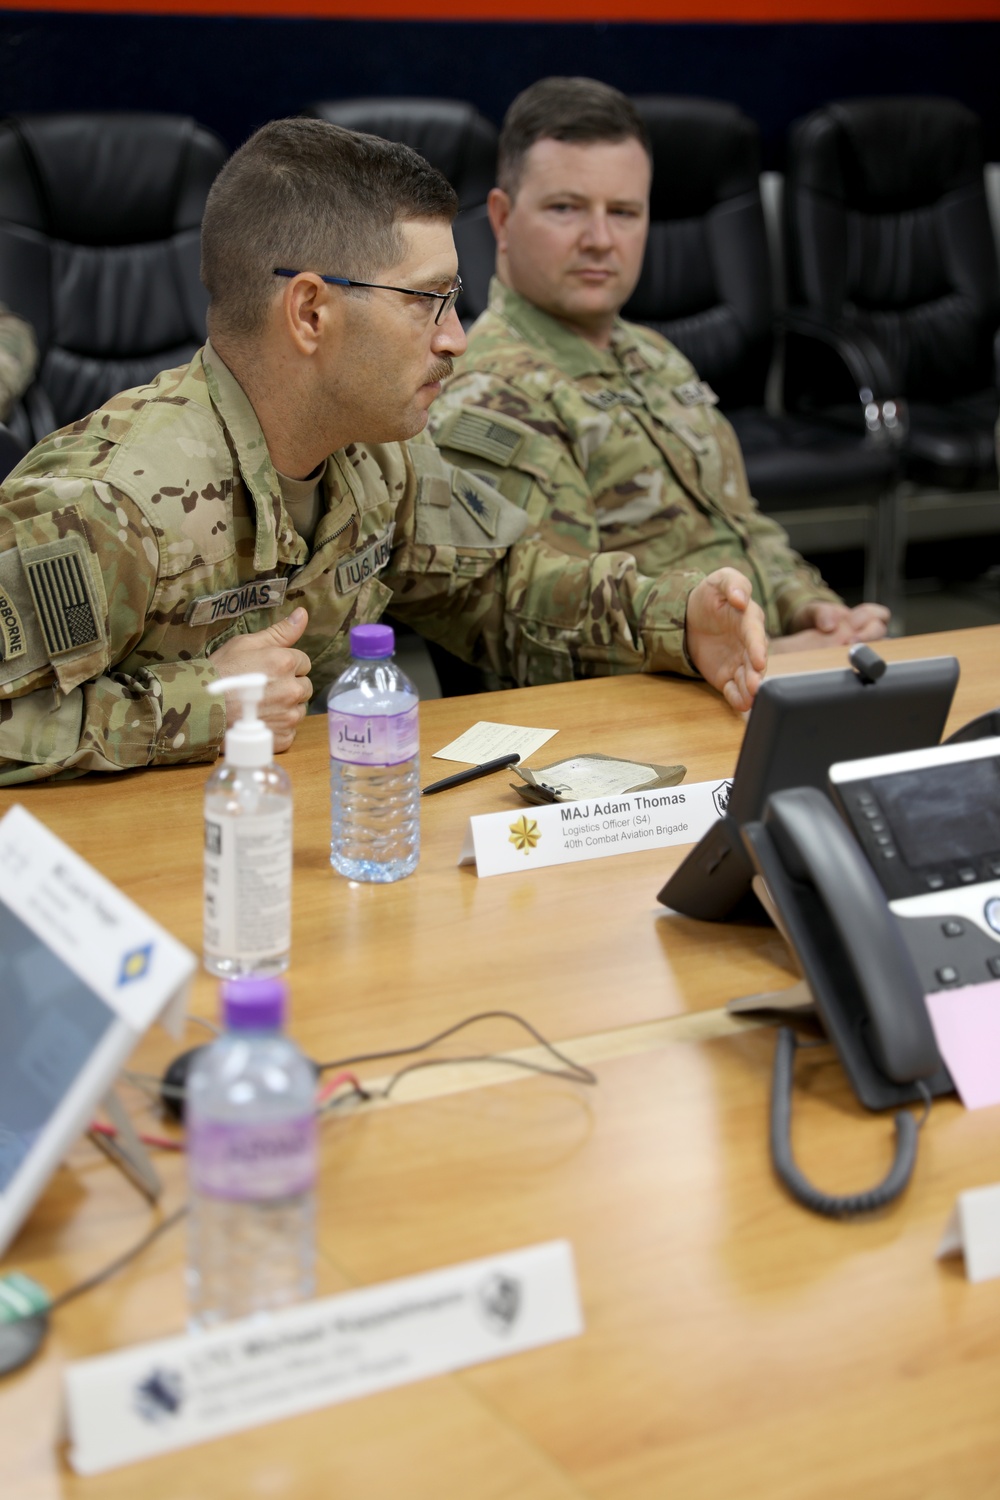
{"type": "Point", "coordinates": [261, 593]}
{"type": "Point", "coordinates": [12, 641]}
{"type": "Point", "coordinates": [479, 432]}
{"type": "Point", "coordinates": [64, 597]}
{"type": "Point", "coordinates": [356, 570]}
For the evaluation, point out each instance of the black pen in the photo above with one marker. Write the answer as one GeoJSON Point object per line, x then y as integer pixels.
{"type": "Point", "coordinates": [470, 775]}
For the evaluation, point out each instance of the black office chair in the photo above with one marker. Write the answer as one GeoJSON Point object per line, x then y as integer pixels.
{"type": "Point", "coordinates": [707, 285]}
{"type": "Point", "coordinates": [100, 219]}
{"type": "Point", "coordinates": [889, 241]}
{"type": "Point", "coordinates": [454, 137]}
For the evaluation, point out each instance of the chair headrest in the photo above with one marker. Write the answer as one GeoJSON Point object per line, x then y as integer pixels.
{"type": "Point", "coordinates": [106, 179]}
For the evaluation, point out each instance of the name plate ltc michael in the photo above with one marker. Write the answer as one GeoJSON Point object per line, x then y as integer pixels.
{"type": "Point", "coordinates": [500, 843]}
{"type": "Point", "coordinates": [156, 1397]}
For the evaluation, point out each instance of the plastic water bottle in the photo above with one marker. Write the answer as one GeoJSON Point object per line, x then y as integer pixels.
{"type": "Point", "coordinates": [250, 1117]}
{"type": "Point", "coordinates": [374, 763]}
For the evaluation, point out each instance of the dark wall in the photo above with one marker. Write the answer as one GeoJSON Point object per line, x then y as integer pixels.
{"type": "Point", "coordinates": [233, 74]}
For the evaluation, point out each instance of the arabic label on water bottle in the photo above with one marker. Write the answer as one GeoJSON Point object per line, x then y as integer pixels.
{"type": "Point", "coordinates": [375, 739]}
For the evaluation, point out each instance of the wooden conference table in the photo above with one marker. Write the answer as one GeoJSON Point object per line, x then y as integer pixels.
{"type": "Point", "coordinates": [734, 1344]}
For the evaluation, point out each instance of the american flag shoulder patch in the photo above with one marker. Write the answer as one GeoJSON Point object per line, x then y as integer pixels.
{"type": "Point", "coordinates": [64, 596]}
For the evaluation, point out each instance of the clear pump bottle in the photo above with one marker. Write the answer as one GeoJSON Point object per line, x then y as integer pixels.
{"type": "Point", "coordinates": [248, 846]}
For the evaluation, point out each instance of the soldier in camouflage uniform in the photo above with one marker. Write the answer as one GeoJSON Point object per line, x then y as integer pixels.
{"type": "Point", "coordinates": [601, 430]}
{"type": "Point", "coordinates": [18, 359]}
{"type": "Point", "coordinates": [160, 543]}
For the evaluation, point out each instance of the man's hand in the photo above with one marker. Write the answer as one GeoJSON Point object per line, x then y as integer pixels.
{"type": "Point", "coordinates": [271, 651]}
{"type": "Point", "coordinates": [818, 624]}
{"type": "Point", "coordinates": [725, 636]}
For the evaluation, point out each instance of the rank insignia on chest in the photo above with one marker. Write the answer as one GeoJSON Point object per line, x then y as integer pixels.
{"type": "Point", "coordinates": [695, 393]}
{"type": "Point", "coordinates": [354, 571]}
{"type": "Point", "coordinates": [261, 593]}
{"type": "Point", "coordinates": [605, 400]}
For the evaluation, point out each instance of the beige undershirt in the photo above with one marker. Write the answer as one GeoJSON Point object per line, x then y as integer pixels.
{"type": "Point", "coordinates": [303, 499]}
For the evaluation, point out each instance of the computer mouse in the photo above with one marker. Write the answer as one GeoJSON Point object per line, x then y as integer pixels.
{"type": "Point", "coordinates": [174, 1082]}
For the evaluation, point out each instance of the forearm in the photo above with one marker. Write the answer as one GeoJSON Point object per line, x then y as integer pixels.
{"type": "Point", "coordinates": [158, 716]}
{"type": "Point", "coordinates": [790, 581]}
{"type": "Point", "coordinates": [538, 616]}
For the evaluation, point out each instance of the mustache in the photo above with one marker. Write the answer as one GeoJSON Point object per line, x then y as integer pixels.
{"type": "Point", "coordinates": [441, 370]}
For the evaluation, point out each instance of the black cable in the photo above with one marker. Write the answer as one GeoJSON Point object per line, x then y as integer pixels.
{"type": "Point", "coordinates": [577, 1075]}
{"type": "Point", "coordinates": [120, 1263]}
{"type": "Point", "coordinates": [844, 1207]}
{"type": "Point", "coordinates": [575, 1070]}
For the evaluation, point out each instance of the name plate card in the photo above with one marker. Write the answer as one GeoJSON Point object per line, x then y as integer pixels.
{"type": "Point", "coordinates": [137, 969]}
{"type": "Point", "coordinates": [500, 843]}
{"type": "Point", "coordinates": [973, 1231]}
{"type": "Point", "coordinates": [157, 1397]}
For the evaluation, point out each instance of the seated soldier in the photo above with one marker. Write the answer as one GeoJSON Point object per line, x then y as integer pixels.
{"type": "Point", "coordinates": [600, 429]}
{"type": "Point", "coordinates": [241, 512]}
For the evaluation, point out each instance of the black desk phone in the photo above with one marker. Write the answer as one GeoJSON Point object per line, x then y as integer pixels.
{"type": "Point", "coordinates": [799, 724]}
{"type": "Point", "coordinates": [894, 896]}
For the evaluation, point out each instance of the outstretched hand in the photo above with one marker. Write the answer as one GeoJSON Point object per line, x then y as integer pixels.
{"type": "Point", "coordinates": [725, 636]}
{"type": "Point", "coordinates": [273, 652]}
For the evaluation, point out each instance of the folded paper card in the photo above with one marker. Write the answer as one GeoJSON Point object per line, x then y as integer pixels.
{"type": "Point", "coordinates": [83, 973]}
{"type": "Point", "coordinates": [966, 1025]}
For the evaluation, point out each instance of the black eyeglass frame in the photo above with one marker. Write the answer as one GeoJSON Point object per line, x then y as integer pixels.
{"type": "Point", "coordinates": [446, 299]}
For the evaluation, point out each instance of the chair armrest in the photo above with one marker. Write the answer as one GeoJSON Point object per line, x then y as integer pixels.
{"type": "Point", "coordinates": [833, 364]}
{"type": "Point", "coordinates": [32, 418]}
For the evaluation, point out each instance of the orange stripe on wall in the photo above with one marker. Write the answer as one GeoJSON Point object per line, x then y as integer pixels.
{"type": "Point", "coordinates": [746, 11]}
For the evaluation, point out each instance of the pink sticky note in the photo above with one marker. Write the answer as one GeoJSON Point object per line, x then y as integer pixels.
{"type": "Point", "coordinates": [966, 1024]}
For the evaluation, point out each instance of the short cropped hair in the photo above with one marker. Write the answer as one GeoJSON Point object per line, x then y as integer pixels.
{"type": "Point", "coordinates": [311, 196]}
{"type": "Point", "coordinates": [564, 109]}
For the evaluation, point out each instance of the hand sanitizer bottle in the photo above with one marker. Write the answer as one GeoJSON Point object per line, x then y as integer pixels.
{"type": "Point", "coordinates": [248, 846]}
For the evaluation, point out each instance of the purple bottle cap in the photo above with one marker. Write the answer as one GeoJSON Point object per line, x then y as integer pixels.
{"type": "Point", "coordinates": [372, 641]}
{"type": "Point", "coordinates": [250, 1004]}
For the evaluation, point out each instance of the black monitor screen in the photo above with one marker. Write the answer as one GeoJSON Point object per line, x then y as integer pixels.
{"type": "Point", "coordinates": [943, 813]}
{"type": "Point", "coordinates": [50, 1023]}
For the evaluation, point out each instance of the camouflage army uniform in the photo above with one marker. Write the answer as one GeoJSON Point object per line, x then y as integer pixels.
{"type": "Point", "coordinates": [18, 359]}
{"type": "Point", "coordinates": [618, 449]}
{"type": "Point", "coordinates": [136, 541]}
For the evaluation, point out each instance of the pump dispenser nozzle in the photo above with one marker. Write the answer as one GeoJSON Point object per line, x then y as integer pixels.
{"type": "Point", "coordinates": [249, 742]}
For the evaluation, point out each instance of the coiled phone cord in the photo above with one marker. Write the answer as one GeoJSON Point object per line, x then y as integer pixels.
{"type": "Point", "coordinates": [844, 1207]}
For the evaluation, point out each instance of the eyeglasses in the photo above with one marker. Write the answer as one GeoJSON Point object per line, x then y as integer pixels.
{"type": "Point", "coordinates": [446, 299]}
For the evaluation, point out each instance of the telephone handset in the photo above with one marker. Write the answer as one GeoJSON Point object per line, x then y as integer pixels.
{"type": "Point", "coordinates": [869, 998]}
